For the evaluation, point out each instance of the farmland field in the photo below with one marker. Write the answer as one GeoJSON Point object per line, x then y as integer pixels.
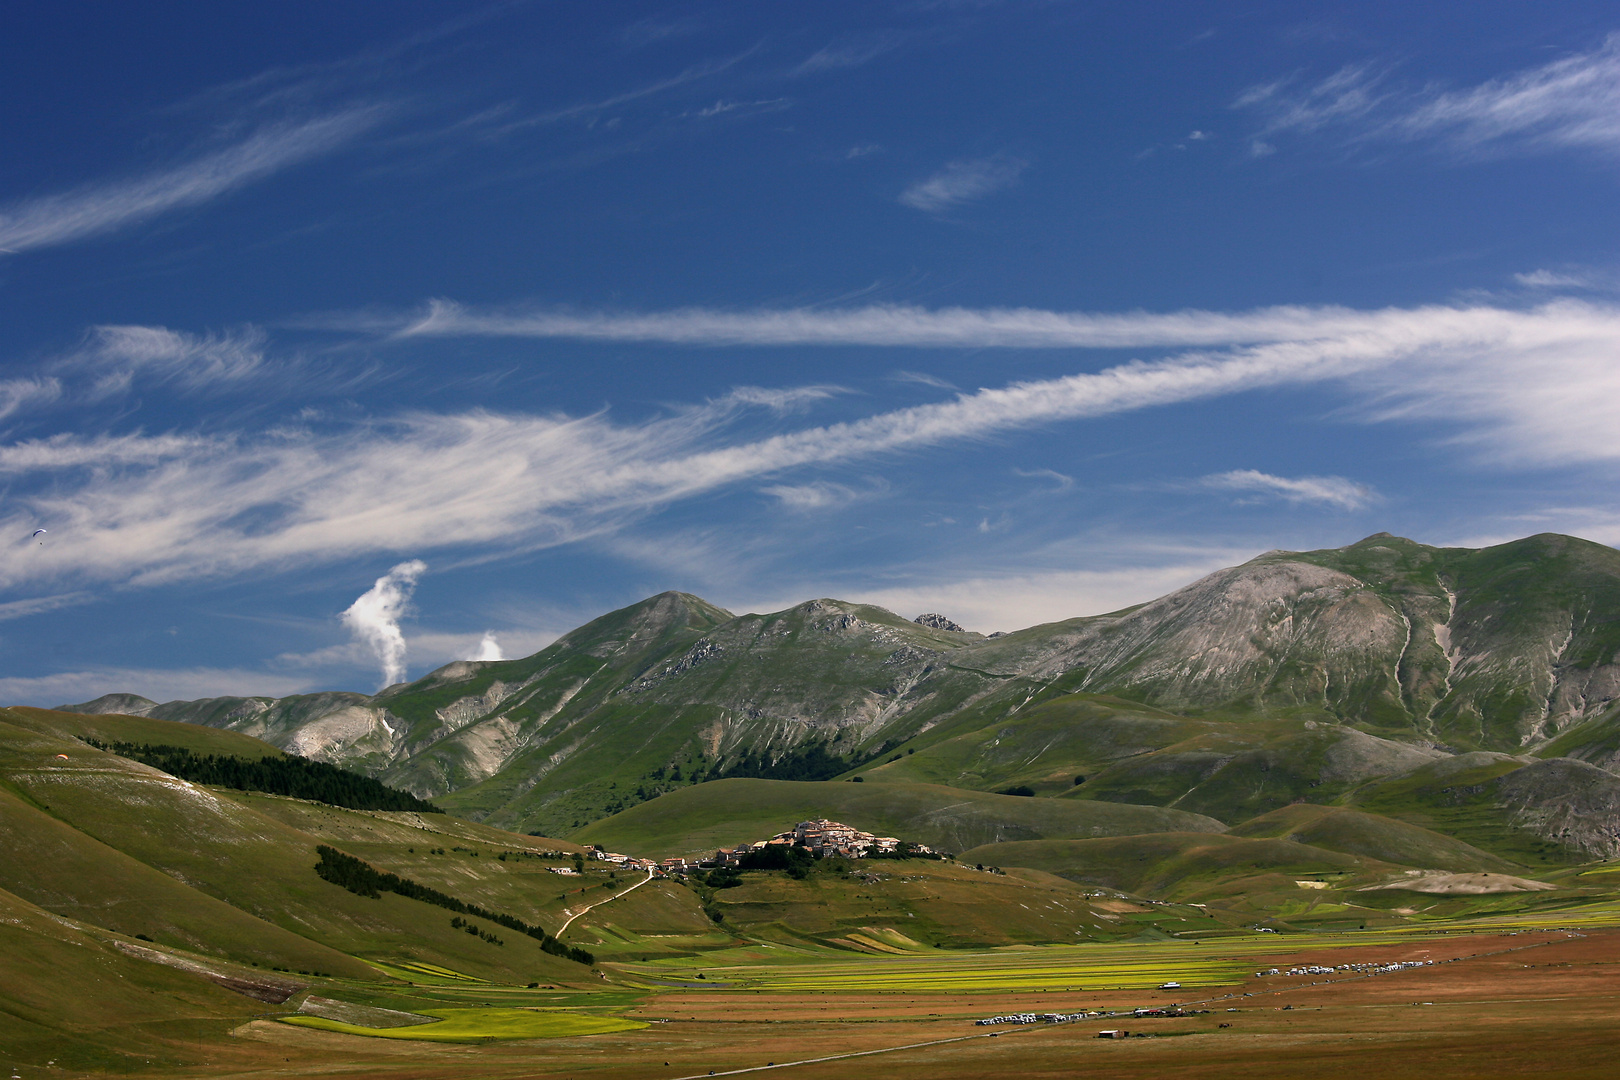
{"type": "Point", "coordinates": [1481, 1006]}
{"type": "Point", "coordinates": [472, 1024]}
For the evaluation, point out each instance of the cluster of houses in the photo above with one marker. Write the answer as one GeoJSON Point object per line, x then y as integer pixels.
{"type": "Point", "coordinates": [623, 862]}
{"type": "Point", "coordinates": [821, 836]}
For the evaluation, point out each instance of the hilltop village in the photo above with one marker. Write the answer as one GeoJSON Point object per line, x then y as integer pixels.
{"type": "Point", "coordinates": [820, 837]}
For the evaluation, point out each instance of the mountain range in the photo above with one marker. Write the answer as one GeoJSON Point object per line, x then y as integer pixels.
{"type": "Point", "coordinates": [1410, 679]}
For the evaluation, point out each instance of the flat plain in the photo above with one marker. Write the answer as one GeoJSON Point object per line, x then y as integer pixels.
{"type": "Point", "coordinates": [1501, 998]}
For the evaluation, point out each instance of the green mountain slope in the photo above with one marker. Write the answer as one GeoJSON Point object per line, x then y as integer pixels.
{"type": "Point", "coordinates": [1231, 871]}
{"type": "Point", "coordinates": [1044, 746]}
{"type": "Point", "coordinates": [1372, 836]}
{"type": "Point", "coordinates": [1535, 812]}
{"type": "Point", "coordinates": [1234, 771]}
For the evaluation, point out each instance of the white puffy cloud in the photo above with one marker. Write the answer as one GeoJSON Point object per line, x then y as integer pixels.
{"type": "Point", "coordinates": [489, 648]}
{"type": "Point", "coordinates": [374, 617]}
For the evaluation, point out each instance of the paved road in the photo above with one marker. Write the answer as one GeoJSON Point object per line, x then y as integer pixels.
{"type": "Point", "coordinates": [599, 903]}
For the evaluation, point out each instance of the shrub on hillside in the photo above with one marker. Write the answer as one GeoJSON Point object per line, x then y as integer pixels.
{"type": "Point", "coordinates": [296, 777]}
{"type": "Point", "coordinates": [363, 879]}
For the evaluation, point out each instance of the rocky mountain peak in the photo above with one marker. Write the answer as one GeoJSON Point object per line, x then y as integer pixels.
{"type": "Point", "coordinates": [936, 621]}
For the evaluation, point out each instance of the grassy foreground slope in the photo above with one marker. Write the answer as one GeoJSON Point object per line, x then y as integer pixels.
{"type": "Point", "coordinates": [728, 812]}
{"type": "Point", "coordinates": [48, 862]}
{"type": "Point", "coordinates": [97, 837]}
{"type": "Point", "coordinates": [70, 995]}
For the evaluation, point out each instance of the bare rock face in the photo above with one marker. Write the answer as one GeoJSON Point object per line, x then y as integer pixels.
{"type": "Point", "coordinates": [935, 621]}
{"type": "Point", "coordinates": [1566, 801]}
{"type": "Point", "coordinates": [1275, 632]}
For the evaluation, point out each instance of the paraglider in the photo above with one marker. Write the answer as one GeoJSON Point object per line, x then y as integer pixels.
{"type": "Point", "coordinates": [38, 533]}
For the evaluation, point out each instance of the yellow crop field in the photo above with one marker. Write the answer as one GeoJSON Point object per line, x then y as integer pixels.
{"type": "Point", "coordinates": [475, 1025]}
{"type": "Point", "coordinates": [1091, 966]}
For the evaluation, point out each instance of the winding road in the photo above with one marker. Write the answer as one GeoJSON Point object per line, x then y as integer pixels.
{"type": "Point", "coordinates": [572, 914]}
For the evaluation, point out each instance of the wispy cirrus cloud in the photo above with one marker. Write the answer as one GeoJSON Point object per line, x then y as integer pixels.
{"type": "Point", "coordinates": [896, 325]}
{"type": "Point", "coordinates": [98, 208]}
{"type": "Point", "coordinates": [851, 51]}
{"type": "Point", "coordinates": [780, 400]}
{"type": "Point", "coordinates": [1529, 386]}
{"type": "Point", "coordinates": [1333, 491]}
{"type": "Point", "coordinates": [115, 360]}
{"type": "Point", "coordinates": [115, 355]}
{"type": "Point", "coordinates": [962, 182]}
{"type": "Point", "coordinates": [19, 394]}
{"type": "Point", "coordinates": [588, 110]}
{"type": "Point", "coordinates": [1573, 102]}
{"type": "Point", "coordinates": [820, 495]}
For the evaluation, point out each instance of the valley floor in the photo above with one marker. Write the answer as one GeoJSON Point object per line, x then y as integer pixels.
{"type": "Point", "coordinates": [1501, 999]}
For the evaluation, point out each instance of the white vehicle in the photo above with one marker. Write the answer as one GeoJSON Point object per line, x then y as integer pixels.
{"type": "Point", "coordinates": [1170, 986]}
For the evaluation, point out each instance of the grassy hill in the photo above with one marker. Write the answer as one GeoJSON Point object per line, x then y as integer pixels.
{"type": "Point", "coordinates": [117, 727]}
{"type": "Point", "coordinates": [1595, 740]}
{"type": "Point", "coordinates": [1373, 836]}
{"type": "Point", "coordinates": [907, 906]}
{"type": "Point", "coordinates": [1232, 872]}
{"type": "Point", "coordinates": [114, 843]}
{"type": "Point", "coordinates": [1233, 771]}
{"type": "Point", "coordinates": [730, 812]}
{"type": "Point", "coordinates": [1043, 746]}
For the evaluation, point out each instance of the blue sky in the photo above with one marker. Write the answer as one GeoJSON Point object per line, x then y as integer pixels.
{"type": "Point", "coordinates": [341, 341]}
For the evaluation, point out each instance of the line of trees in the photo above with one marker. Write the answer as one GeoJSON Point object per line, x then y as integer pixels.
{"type": "Point", "coordinates": [363, 879]}
{"type": "Point", "coordinates": [289, 775]}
